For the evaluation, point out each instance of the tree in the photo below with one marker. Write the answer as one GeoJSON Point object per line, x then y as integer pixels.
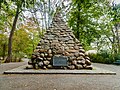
{"type": "Point", "coordinates": [3, 45]}
{"type": "Point", "coordinates": [20, 5]}
{"type": "Point", "coordinates": [116, 22]}
{"type": "Point", "coordinates": [24, 40]}
{"type": "Point", "coordinates": [86, 19]}
{"type": "Point", "coordinates": [6, 15]}
{"type": "Point", "coordinates": [111, 35]}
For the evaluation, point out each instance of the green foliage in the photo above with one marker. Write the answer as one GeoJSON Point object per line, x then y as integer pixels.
{"type": "Point", "coordinates": [25, 40]}
{"type": "Point", "coordinates": [117, 56]}
{"type": "Point", "coordinates": [116, 14]}
{"type": "Point", "coordinates": [3, 45]}
{"type": "Point", "coordinates": [102, 57]}
{"type": "Point", "coordinates": [20, 41]}
{"type": "Point", "coordinates": [87, 19]}
{"type": "Point", "coordinates": [18, 6]}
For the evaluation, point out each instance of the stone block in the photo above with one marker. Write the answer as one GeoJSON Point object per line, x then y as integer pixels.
{"type": "Point", "coordinates": [46, 41]}
{"type": "Point", "coordinates": [42, 55]}
{"type": "Point", "coordinates": [66, 53]}
{"type": "Point", "coordinates": [82, 54]}
{"type": "Point", "coordinates": [76, 54]}
{"type": "Point", "coordinates": [76, 47]}
{"type": "Point", "coordinates": [70, 42]}
{"type": "Point", "coordinates": [87, 58]}
{"type": "Point", "coordinates": [79, 66]}
{"type": "Point", "coordinates": [44, 67]}
{"type": "Point", "coordinates": [46, 62]}
{"type": "Point", "coordinates": [87, 62]}
{"type": "Point", "coordinates": [72, 67]}
{"type": "Point", "coordinates": [80, 47]}
{"type": "Point", "coordinates": [40, 58]}
{"type": "Point", "coordinates": [34, 56]}
{"type": "Point", "coordinates": [66, 48]}
{"type": "Point", "coordinates": [59, 52]}
{"type": "Point", "coordinates": [40, 64]}
{"type": "Point", "coordinates": [72, 48]}
{"type": "Point", "coordinates": [89, 67]}
{"type": "Point", "coordinates": [50, 55]}
{"type": "Point", "coordinates": [72, 58]}
{"type": "Point", "coordinates": [36, 50]}
{"type": "Point", "coordinates": [46, 54]}
{"type": "Point", "coordinates": [50, 66]}
{"type": "Point", "coordinates": [82, 50]}
{"type": "Point", "coordinates": [46, 47]}
{"type": "Point", "coordinates": [38, 47]}
{"type": "Point", "coordinates": [82, 62]}
{"type": "Point", "coordinates": [55, 41]}
{"type": "Point", "coordinates": [70, 45]}
{"type": "Point", "coordinates": [74, 62]}
{"type": "Point", "coordinates": [50, 37]}
{"type": "Point", "coordinates": [49, 51]}
{"type": "Point", "coordinates": [79, 61]}
{"type": "Point", "coordinates": [42, 50]}
{"type": "Point", "coordinates": [80, 58]}
{"type": "Point", "coordinates": [72, 51]}
{"type": "Point", "coordinates": [49, 59]}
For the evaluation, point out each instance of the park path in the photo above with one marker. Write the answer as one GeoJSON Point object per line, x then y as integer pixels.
{"type": "Point", "coordinates": [59, 82]}
{"type": "Point", "coordinates": [8, 66]}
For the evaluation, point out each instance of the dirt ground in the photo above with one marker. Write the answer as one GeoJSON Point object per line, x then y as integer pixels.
{"type": "Point", "coordinates": [59, 81]}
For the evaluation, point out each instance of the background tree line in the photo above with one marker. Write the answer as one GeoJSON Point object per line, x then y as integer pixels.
{"type": "Point", "coordinates": [23, 22]}
{"type": "Point", "coordinates": [97, 23]}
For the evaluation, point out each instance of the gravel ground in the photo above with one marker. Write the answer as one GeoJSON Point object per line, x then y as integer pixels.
{"type": "Point", "coordinates": [59, 82]}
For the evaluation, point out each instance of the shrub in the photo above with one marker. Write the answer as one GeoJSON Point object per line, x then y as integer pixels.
{"type": "Point", "coordinates": [102, 57]}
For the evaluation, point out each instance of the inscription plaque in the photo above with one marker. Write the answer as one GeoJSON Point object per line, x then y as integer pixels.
{"type": "Point", "coordinates": [60, 61]}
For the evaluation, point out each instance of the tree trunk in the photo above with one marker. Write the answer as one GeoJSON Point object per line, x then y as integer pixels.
{"type": "Point", "coordinates": [4, 50]}
{"type": "Point", "coordinates": [49, 13]}
{"type": "Point", "coordinates": [78, 22]}
{"type": "Point", "coordinates": [117, 38]}
{"type": "Point", "coordinates": [11, 35]}
{"type": "Point", "coordinates": [45, 16]}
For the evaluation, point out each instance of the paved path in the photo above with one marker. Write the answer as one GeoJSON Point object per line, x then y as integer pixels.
{"type": "Point", "coordinates": [59, 82]}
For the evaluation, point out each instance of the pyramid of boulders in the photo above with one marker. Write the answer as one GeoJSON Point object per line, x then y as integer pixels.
{"type": "Point", "coordinates": [59, 41]}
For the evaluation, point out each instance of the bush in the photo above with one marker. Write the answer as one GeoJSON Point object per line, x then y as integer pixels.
{"type": "Point", "coordinates": [117, 56]}
{"type": "Point", "coordinates": [102, 57]}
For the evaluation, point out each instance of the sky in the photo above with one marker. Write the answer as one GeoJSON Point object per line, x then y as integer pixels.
{"type": "Point", "coordinates": [117, 1]}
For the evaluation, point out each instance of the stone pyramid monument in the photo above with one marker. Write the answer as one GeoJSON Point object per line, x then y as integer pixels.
{"type": "Point", "coordinates": [59, 49]}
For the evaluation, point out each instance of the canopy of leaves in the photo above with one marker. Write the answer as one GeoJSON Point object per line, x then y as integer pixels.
{"type": "Point", "coordinates": [116, 13]}
{"type": "Point", "coordinates": [87, 19]}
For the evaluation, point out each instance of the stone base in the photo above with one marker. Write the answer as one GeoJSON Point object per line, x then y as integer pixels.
{"type": "Point", "coordinates": [95, 71]}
